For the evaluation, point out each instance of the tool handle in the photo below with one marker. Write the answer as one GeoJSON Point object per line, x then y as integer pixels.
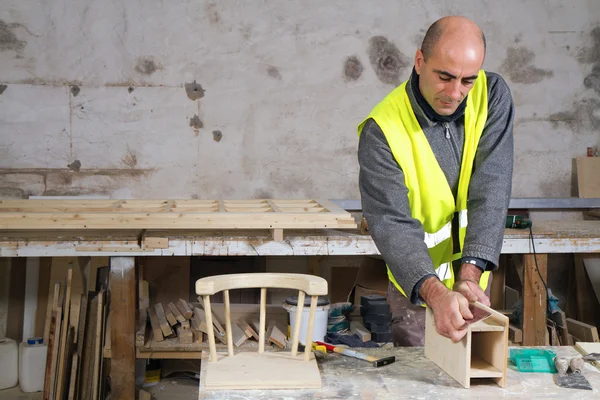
{"type": "Point", "coordinates": [347, 352]}
{"type": "Point", "coordinates": [577, 365]}
{"type": "Point", "coordinates": [561, 364]}
{"type": "Point", "coordinates": [328, 346]}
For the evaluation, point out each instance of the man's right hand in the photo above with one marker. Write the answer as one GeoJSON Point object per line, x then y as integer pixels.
{"type": "Point", "coordinates": [449, 308]}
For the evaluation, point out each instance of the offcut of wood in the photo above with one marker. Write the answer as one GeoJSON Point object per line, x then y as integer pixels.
{"type": "Point", "coordinates": [175, 311]}
{"type": "Point", "coordinates": [359, 330]}
{"type": "Point", "coordinates": [185, 309]}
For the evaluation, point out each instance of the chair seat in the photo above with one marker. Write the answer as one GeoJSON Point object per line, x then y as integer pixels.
{"type": "Point", "coordinates": [250, 370]}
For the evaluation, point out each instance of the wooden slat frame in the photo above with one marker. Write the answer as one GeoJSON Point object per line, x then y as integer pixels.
{"type": "Point", "coordinates": [269, 214]}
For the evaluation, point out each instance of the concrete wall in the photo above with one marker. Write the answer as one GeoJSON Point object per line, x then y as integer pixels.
{"type": "Point", "coordinates": [244, 99]}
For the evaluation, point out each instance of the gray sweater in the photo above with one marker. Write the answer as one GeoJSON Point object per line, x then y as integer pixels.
{"type": "Point", "coordinates": [398, 236]}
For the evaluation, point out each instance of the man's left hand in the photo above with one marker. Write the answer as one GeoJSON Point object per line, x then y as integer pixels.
{"type": "Point", "coordinates": [467, 284]}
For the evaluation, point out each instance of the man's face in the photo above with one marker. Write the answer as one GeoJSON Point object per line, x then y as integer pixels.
{"type": "Point", "coordinates": [448, 75]}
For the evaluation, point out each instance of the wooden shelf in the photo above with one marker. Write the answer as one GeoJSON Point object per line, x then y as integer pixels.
{"type": "Point", "coordinates": [172, 349]}
{"type": "Point", "coordinates": [483, 369]}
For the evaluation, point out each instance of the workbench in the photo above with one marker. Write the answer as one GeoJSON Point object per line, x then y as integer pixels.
{"type": "Point", "coordinates": [414, 376]}
{"type": "Point", "coordinates": [122, 246]}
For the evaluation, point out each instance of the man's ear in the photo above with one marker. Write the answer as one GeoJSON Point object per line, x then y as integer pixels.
{"type": "Point", "coordinates": [419, 61]}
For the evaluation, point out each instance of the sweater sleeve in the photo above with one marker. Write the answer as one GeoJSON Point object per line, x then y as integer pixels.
{"type": "Point", "coordinates": [384, 195]}
{"type": "Point", "coordinates": [491, 180]}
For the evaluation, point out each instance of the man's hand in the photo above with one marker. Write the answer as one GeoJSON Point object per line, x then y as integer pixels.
{"type": "Point", "coordinates": [449, 308]}
{"type": "Point", "coordinates": [468, 284]}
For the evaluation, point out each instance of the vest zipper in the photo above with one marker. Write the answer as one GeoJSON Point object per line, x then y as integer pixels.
{"type": "Point", "coordinates": [447, 130]}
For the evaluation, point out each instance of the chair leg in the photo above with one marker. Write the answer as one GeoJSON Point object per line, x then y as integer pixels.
{"type": "Point", "coordinates": [210, 328]}
{"type": "Point", "coordinates": [296, 333]}
{"type": "Point", "coordinates": [263, 320]}
{"type": "Point", "coordinates": [228, 323]}
{"type": "Point", "coordinates": [309, 330]}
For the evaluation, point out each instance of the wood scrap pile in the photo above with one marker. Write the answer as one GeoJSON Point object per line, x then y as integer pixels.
{"type": "Point", "coordinates": [74, 362]}
{"type": "Point", "coordinates": [185, 323]}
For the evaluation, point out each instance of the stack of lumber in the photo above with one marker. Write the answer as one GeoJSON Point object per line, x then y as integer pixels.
{"type": "Point", "coordinates": [185, 323]}
{"type": "Point", "coordinates": [74, 362]}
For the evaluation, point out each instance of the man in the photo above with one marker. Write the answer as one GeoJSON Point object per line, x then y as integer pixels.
{"type": "Point", "coordinates": [436, 159]}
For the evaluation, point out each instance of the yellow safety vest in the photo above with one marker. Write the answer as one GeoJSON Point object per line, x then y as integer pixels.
{"type": "Point", "coordinates": [430, 197]}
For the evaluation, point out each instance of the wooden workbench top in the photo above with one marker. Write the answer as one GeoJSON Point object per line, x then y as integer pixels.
{"type": "Point", "coordinates": [549, 237]}
{"type": "Point", "coordinates": [414, 376]}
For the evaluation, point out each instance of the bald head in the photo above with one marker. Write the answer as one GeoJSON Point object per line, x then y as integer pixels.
{"type": "Point", "coordinates": [453, 29]}
{"type": "Point", "coordinates": [449, 62]}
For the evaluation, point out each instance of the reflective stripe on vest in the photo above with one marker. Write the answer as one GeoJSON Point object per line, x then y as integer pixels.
{"type": "Point", "coordinates": [433, 239]}
{"type": "Point", "coordinates": [430, 197]}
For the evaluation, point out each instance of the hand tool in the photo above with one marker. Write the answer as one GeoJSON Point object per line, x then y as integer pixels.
{"type": "Point", "coordinates": [479, 314]}
{"type": "Point", "coordinates": [592, 357]}
{"type": "Point", "coordinates": [574, 380]}
{"type": "Point", "coordinates": [377, 362]}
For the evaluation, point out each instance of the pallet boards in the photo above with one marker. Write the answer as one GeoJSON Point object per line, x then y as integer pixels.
{"type": "Point", "coordinates": [271, 214]}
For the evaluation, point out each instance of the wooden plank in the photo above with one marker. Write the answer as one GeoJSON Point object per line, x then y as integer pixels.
{"type": "Point", "coordinates": [584, 332]}
{"type": "Point", "coordinates": [238, 335]}
{"type": "Point", "coordinates": [185, 309]}
{"type": "Point", "coordinates": [586, 310]}
{"type": "Point", "coordinates": [276, 336]}
{"type": "Point", "coordinates": [44, 296]}
{"type": "Point", "coordinates": [64, 353]}
{"type": "Point", "coordinates": [359, 330]}
{"type": "Point", "coordinates": [156, 330]}
{"type": "Point", "coordinates": [534, 300]}
{"type": "Point", "coordinates": [52, 341]}
{"type": "Point", "coordinates": [162, 320]}
{"type": "Point", "coordinates": [185, 335]}
{"type": "Point", "coordinates": [140, 332]}
{"type": "Point", "coordinates": [592, 267]}
{"type": "Point", "coordinates": [176, 313]}
{"type": "Point", "coordinates": [248, 330]}
{"type": "Point", "coordinates": [122, 287]}
{"type": "Point", "coordinates": [515, 334]}
{"type": "Point", "coordinates": [170, 316]}
{"type": "Point", "coordinates": [73, 377]}
{"type": "Point", "coordinates": [588, 180]}
{"type": "Point", "coordinates": [98, 346]}
{"type": "Point", "coordinates": [144, 294]}
{"type": "Point", "coordinates": [277, 234]}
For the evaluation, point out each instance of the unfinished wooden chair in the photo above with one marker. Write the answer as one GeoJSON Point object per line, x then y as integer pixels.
{"type": "Point", "coordinates": [481, 353]}
{"type": "Point", "coordinates": [260, 370]}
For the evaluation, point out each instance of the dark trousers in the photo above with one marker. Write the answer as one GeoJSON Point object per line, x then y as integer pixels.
{"type": "Point", "coordinates": [408, 320]}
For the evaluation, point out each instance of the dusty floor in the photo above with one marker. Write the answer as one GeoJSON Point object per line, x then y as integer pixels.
{"type": "Point", "coordinates": [167, 389]}
{"type": "Point", "coordinates": [172, 386]}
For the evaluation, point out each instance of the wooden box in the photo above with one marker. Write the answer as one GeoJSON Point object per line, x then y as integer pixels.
{"type": "Point", "coordinates": [481, 353]}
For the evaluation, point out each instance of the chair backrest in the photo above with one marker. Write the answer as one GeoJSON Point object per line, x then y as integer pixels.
{"type": "Point", "coordinates": [311, 285]}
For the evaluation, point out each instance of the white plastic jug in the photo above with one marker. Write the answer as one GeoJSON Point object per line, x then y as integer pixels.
{"type": "Point", "coordinates": [32, 365]}
{"type": "Point", "coordinates": [9, 363]}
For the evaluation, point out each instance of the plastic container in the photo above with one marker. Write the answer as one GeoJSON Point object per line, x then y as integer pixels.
{"type": "Point", "coordinates": [321, 317]}
{"type": "Point", "coordinates": [533, 360]}
{"type": "Point", "coordinates": [32, 365]}
{"type": "Point", "coordinates": [9, 363]}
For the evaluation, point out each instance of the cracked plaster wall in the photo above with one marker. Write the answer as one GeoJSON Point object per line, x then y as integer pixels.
{"type": "Point", "coordinates": [245, 99]}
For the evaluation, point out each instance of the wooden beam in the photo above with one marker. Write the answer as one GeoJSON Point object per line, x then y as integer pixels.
{"type": "Point", "coordinates": [584, 332]}
{"type": "Point", "coordinates": [534, 299]}
{"type": "Point", "coordinates": [123, 294]}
